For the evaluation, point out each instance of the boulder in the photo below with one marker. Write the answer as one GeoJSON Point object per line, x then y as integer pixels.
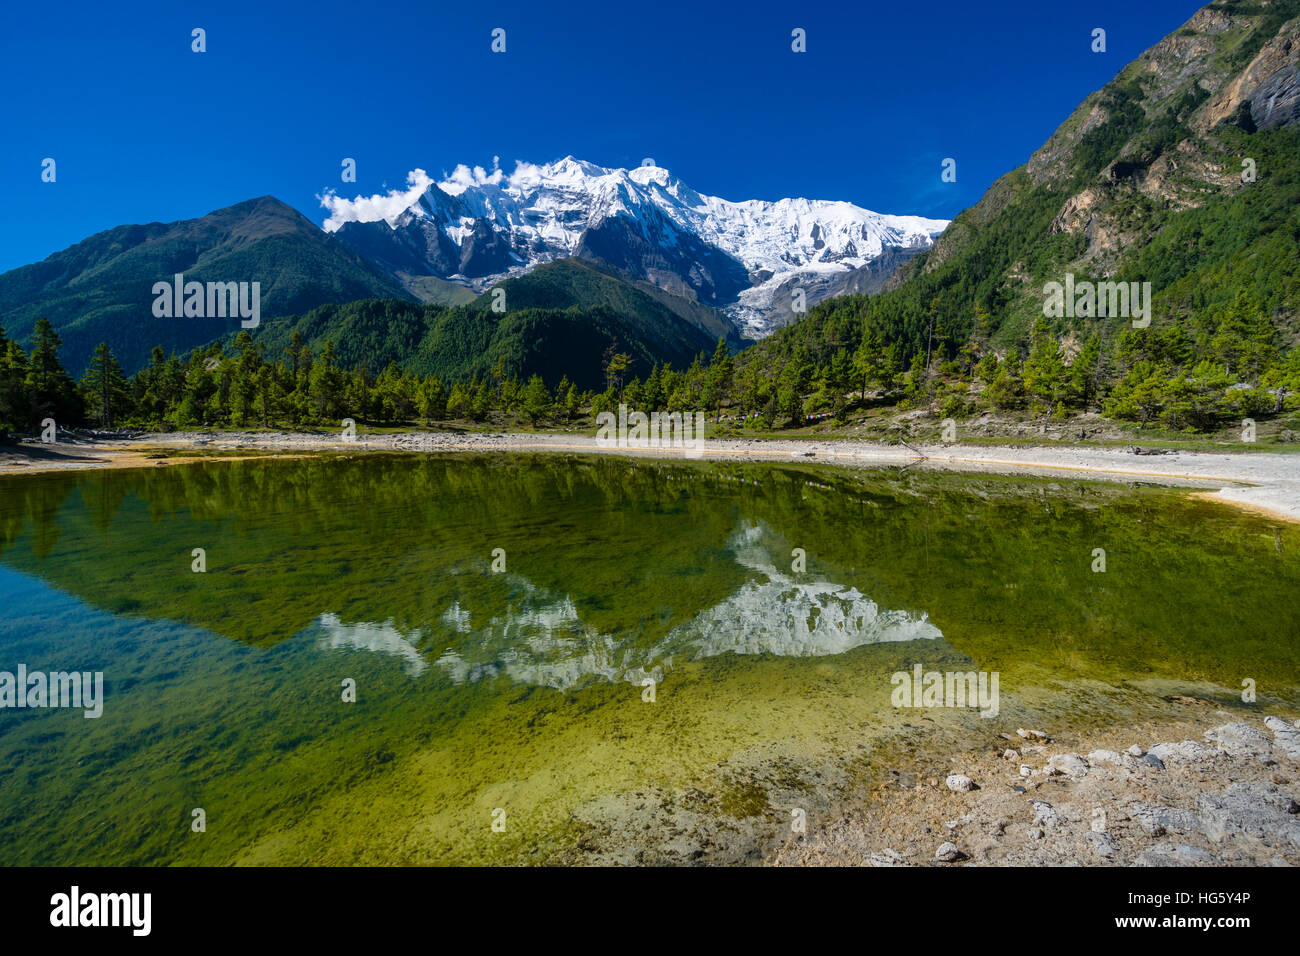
{"type": "Point", "coordinates": [947, 853]}
{"type": "Point", "coordinates": [1155, 820]}
{"type": "Point", "coordinates": [1189, 751]}
{"type": "Point", "coordinates": [1250, 810]}
{"type": "Point", "coordinates": [1072, 765]}
{"type": "Point", "coordinates": [1241, 740]}
{"type": "Point", "coordinates": [1124, 761]}
{"type": "Point", "coordinates": [886, 857]}
{"type": "Point", "coordinates": [960, 783]}
{"type": "Point", "coordinates": [1045, 815]}
{"type": "Point", "coordinates": [1286, 739]}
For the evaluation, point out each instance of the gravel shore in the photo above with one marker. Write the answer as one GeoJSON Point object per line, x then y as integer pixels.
{"type": "Point", "coordinates": [1226, 795]}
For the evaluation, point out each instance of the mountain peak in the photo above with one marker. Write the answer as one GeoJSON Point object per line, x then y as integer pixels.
{"type": "Point", "coordinates": [479, 226]}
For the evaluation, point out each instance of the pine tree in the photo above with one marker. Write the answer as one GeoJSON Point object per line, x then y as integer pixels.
{"type": "Point", "coordinates": [537, 400]}
{"type": "Point", "coordinates": [717, 382]}
{"type": "Point", "coordinates": [1045, 376]}
{"type": "Point", "coordinates": [106, 388]}
{"type": "Point", "coordinates": [458, 401]}
{"type": "Point", "coordinates": [50, 389]}
{"type": "Point", "coordinates": [561, 392]}
{"type": "Point", "coordinates": [13, 396]}
{"type": "Point", "coordinates": [244, 379]}
{"type": "Point", "coordinates": [867, 362]}
{"type": "Point", "coordinates": [480, 406]}
{"type": "Point", "coordinates": [295, 350]}
{"type": "Point", "coordinates": [655, 398]}
{"type": "Point", "coordinates": [1083, 372]}
{"type": "Point", "coordinates": [433, 401]}
{"type": "Point", "coordinates": [269, 394]}
{"type": "Point", "coordinates": [326, 386]}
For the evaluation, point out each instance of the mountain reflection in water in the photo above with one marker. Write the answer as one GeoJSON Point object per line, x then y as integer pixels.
{"type": "Point", "coordinates": [541, 640]}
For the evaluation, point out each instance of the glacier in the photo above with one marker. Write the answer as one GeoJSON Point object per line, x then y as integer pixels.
{"type": "Point", "coordinates": [477, 227]}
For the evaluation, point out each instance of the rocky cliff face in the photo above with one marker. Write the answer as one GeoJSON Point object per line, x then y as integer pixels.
{"type": "Point", "coordinates": [1277, 101]}
{"type": "Point", "coordinates": [1231, 63]}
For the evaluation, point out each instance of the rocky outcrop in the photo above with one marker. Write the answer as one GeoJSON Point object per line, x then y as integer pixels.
{"type": "Point", "coordinates": [1276, 58]}
{"type": "Point", "coordinates": [1157, 121]}
{"type": "Point", "coordinates": [1277, 101]}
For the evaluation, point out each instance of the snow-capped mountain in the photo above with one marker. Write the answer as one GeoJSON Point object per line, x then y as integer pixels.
{"type": "Point", "coordinates": [746, 258]}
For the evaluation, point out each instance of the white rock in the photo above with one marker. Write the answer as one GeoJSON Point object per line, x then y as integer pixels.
{"type": "Point", "coordinates": [1241, 740]}
{"type": "Point", "coordinates": [1136, 751]}
{"type": "Point", "coordinates": [1155, 820]}
{"type": "Point", "coordinates": [1071, 765]}
{"type": "Point", "coordinates": [1103, 844]}
{"type": "Point", "coordinates": [1032, 734]}
{"type": "Point", "coordinates": [1045, 815]}
{"type": "Point", "coordinates": [1250, 810]}
{"type": "Point", "coordinates": [1189, 751]}
{"type": "Point", "coordinates": [887, 857]}
{"type": "Point", "coordinates": [1126, 761]}
{"type": "Point", "coordinates": [1177, 854]}
{"type": "Point", "coordinates": [1285, 740]}
{"type": "Point", "coordinates": [947, 852]}
{"type": "Point", "coordinates": [960, 783]}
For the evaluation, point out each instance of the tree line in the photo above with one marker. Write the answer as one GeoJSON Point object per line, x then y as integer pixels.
{"type": "Point", "coordinates": [244, 387]}
{"type": "Point", "coordinates": [1227, 366]}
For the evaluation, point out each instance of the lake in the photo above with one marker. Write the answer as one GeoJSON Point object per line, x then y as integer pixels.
{"type": "Point", "coordinates": [404, 659]}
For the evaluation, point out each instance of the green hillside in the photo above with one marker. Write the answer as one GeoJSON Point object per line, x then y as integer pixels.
{"type": "Point", "coordinates": [100, 290]}
{"type": "Point", "coordinates": [552, 326]}
{"type": "Point", "coordinates": [581, 283]}
{"type": "Point", "coordinates": [1142, 183]}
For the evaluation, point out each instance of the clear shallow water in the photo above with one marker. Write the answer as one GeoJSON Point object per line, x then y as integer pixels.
{"type": "Point", "coordinates": [521, 689]}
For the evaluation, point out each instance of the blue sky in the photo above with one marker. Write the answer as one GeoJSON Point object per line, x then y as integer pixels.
{"type": "Point", "coordinates": [142, 129]}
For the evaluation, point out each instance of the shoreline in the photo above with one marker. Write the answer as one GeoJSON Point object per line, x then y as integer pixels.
{"type": "Point", "coordinates": [1266, 483]}
{"type": "Point", "coordinates": [1209, 788]}
{"type": "Point", "coordinates": [1184, 781]}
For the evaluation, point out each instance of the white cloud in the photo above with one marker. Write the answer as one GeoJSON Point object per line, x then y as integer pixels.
{"type": "Point", "coordinates": [373, 208]}
{"type": "Point", "coordinates": [463, 177]}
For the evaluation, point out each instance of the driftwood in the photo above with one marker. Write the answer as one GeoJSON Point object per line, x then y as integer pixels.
{"type": "Point", "coordinates": [918, 452]}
